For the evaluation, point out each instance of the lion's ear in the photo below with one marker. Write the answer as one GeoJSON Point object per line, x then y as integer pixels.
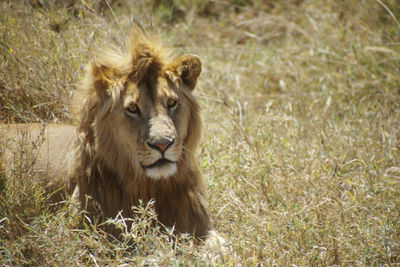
{"type": "Point", "coordinates": [102, 77]}
{"type": "Point", "coordinates": [187, 68]}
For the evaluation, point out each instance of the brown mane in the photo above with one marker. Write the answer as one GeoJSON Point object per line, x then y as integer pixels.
{"type": "Point", "coordinates": [180, 200]}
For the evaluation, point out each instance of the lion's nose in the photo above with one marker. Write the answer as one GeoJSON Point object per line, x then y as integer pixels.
{"type": "Point", "coordinates": [160, 144]}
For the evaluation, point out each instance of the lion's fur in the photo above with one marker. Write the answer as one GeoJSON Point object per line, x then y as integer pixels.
{"type": "Point", "coordinates": [41, 149]}
{"type": "Point", "coordinates": [111, 158]}
{"type": "Point", "coordinates": [179, 200]}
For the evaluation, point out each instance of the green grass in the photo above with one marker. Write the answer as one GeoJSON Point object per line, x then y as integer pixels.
{"type": "Point", "coordinates": [302, 118]}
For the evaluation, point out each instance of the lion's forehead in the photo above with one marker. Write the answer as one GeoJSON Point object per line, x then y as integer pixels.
{"type": "Point", "coordinates": [132, 97]}
{"type": "Point", "coordinates": [153, 92]}
{"type": "Point", "coordinates": [132, 89]}
{"type": "Point", "coordinates": [167, 92]}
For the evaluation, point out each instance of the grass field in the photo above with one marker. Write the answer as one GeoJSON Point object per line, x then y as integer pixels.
{"type": "Point", "coordinates": [302, 128]}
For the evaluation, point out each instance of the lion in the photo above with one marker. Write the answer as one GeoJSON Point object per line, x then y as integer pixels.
{"type": "Point", "coordinates": [138, 127]}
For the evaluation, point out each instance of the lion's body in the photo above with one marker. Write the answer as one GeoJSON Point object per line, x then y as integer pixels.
{"type": "Point", "coordinates": [138, 125]}
{"type": "Point", "coordinates": [49, 147]}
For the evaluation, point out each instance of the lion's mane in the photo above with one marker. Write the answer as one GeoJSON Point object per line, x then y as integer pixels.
{"type": "Point", "coordinates": [180, 200]}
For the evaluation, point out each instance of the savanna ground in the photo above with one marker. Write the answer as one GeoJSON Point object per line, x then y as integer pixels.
{"type": "Point", "coordinates": [301, 144]}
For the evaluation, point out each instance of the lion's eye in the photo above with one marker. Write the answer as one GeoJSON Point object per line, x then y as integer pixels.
{"type": "Point", "coordinates": [133, 108]}
{"type": "Point", "coordinates": [171, 103]}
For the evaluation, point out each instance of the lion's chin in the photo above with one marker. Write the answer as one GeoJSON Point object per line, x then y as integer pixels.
{"type": "Point", "coordinates": [162, 172]}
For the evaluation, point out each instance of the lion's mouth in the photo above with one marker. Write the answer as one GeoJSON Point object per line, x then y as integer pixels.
{"type": "Point", "coordinates": [158, 163]}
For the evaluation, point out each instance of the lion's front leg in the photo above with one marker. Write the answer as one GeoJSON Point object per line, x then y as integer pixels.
{"type": "Point", "coordinates": [202, 225]}
{"type": "Point", "coordinates": [198, 220]}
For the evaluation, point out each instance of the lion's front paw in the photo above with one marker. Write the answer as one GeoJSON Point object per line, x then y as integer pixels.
{"type": "Point", "coordinates": [213, 239]}
{"type": "Point", "coordinates": [217, 246]}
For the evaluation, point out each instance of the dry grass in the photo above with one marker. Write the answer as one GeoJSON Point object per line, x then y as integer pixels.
{"type": "Point", "coordinates": [301, 153]}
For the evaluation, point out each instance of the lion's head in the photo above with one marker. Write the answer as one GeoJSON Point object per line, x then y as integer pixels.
{"type": "Point", "coordinates": [137, 112]}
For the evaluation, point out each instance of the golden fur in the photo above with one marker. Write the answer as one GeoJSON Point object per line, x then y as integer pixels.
{"type": "Point", "coordinates": [115, 147]}
{"type": "Point", "coordinates": [43, 150]}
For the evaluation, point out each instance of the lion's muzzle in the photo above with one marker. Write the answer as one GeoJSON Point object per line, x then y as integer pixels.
{"type": "Point", "coordinates": [160, 144]}
{"type": "Point", "coordinates": [158, 163]}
